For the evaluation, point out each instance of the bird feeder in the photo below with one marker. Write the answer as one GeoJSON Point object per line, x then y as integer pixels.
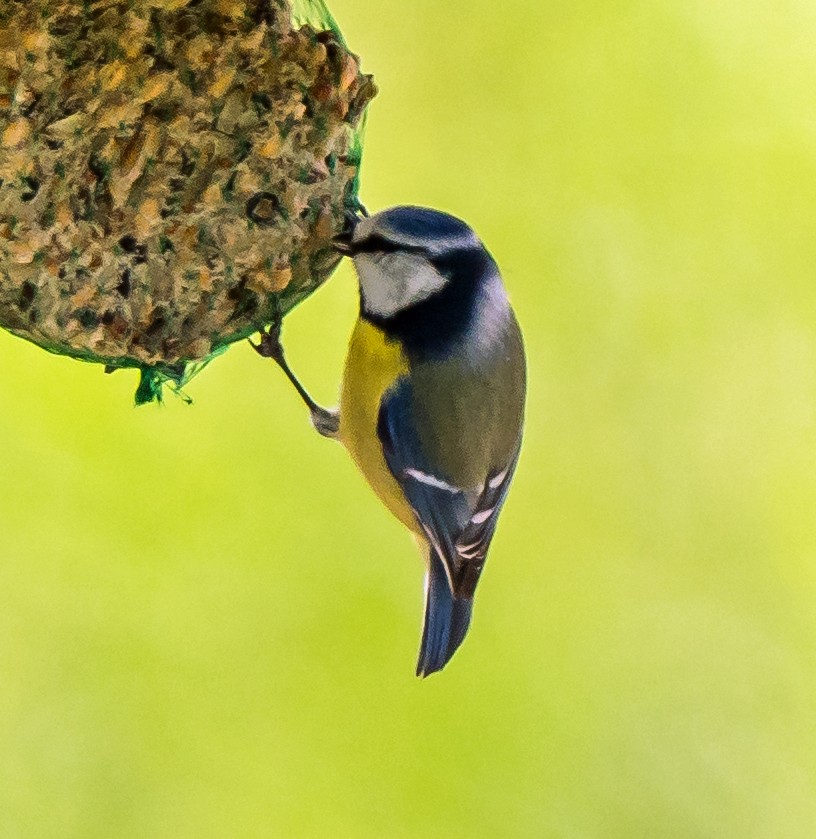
{"type": "Point", "coordinates": [172, 173]}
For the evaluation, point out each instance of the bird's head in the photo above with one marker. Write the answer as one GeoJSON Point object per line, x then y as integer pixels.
{"type": "Point", "coordinates": [407, 255]}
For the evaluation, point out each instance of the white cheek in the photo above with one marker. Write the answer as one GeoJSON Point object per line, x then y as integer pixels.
{"type": "Point", "coordinates": [391, 282]}
{"type": "Point", "coordinates": [374, 286]}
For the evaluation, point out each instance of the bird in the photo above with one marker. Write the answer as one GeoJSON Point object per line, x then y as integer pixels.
{"type": "Point", "coordinates": [432, 399]}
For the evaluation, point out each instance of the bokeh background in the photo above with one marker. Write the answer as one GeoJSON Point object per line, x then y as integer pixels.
{"type": "Point", "coordinates": [208, 625]}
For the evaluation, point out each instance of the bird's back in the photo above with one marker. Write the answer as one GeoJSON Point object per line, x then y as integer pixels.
{"type": "Point", "coordinates": [476, 393]}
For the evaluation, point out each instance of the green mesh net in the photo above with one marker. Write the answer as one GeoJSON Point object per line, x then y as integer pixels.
{"type": "Point", "coordinates": [314, 13]}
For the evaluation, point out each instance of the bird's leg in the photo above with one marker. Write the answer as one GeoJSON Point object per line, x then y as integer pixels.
{"type": "Point", "coordinates": [325, 421]}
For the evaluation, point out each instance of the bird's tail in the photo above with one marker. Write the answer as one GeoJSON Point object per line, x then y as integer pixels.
{"type": "Point", "coordinates": [447, 619]}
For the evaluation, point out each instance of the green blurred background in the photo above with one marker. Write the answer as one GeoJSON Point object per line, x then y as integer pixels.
{"type": "Point", "coordinates": [208, 625]}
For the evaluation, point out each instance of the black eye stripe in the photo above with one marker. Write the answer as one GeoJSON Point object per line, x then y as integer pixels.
{"type": "Point", "coordinates": [379, 244]}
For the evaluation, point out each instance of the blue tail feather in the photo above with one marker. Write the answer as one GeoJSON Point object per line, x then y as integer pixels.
{"type": "Point", "coordinates": [447, 619]}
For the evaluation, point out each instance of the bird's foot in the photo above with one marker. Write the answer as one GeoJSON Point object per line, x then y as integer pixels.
{"type": "Point", "coordinates": [270, 344]}
{"type": "Point", "coordinates": [325, 422]}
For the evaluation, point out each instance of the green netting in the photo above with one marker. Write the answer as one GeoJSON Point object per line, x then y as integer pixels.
{"type": "Point", "coordinates": [153, 379]}
{"type": "Point", "coordinates": [314, 13]}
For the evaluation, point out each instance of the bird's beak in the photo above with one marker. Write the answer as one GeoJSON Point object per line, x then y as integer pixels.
{"type": "Point", "coordinates": [342, 242]}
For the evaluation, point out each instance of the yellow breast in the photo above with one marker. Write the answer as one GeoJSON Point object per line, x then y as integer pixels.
{"type": "Point", "coordinates": [374, 363]}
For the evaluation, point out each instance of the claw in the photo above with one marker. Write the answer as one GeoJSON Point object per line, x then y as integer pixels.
{"type": "Point", "coordinates": [269, 346]}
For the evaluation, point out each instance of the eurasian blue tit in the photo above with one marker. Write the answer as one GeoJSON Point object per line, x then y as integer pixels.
{"type": "Point", "coordinates": [432, 400]}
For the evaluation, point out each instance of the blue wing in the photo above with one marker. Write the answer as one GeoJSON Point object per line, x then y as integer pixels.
{"type": "Point", "coordinates": [458, 522]}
